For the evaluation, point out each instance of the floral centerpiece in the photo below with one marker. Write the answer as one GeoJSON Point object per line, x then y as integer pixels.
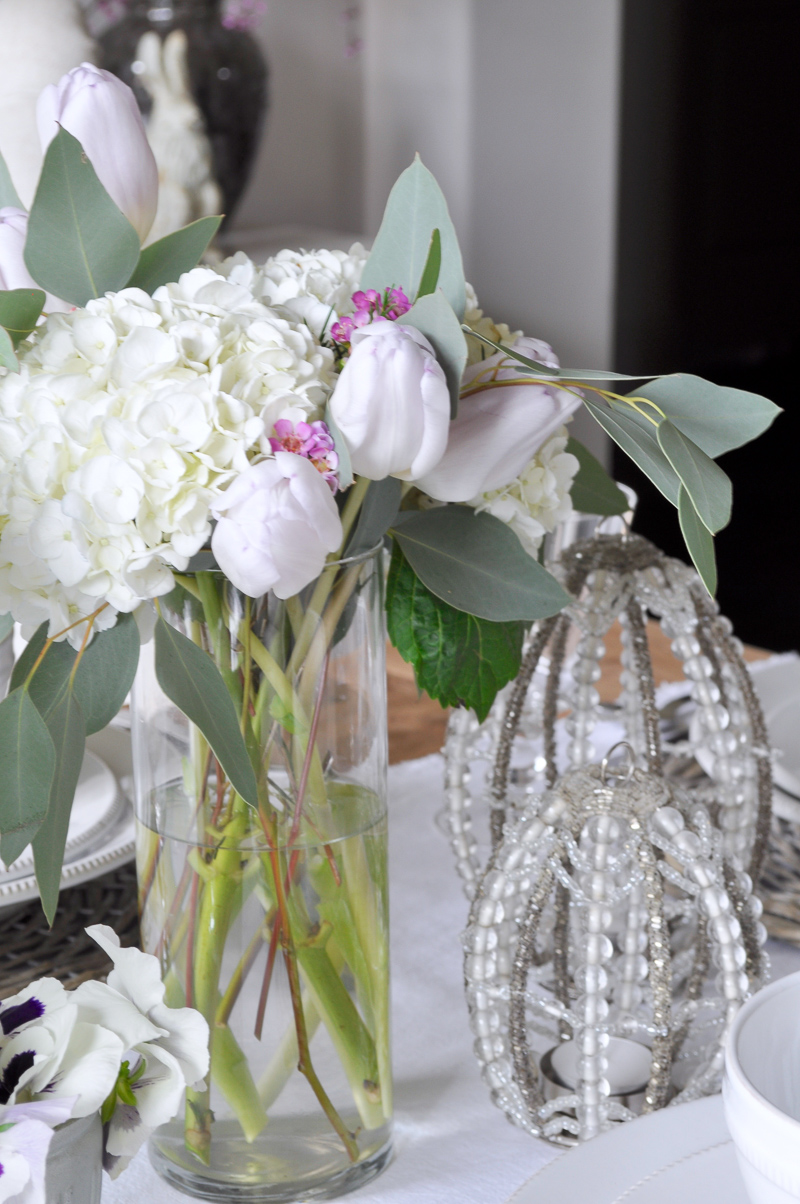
{"type": "Point", "coordinates": [112, 1050]}
{"type": "Point", "coordinates": [199, 470]}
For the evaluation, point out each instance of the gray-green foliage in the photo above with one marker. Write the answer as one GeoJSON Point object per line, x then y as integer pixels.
{"type": "Point", "coordinates": [415, 208]}
{"type": "Point", "coordinates": [79, 244]}
{"type": "Point", "coordinates": [477, 564]}
{"type": "Point", "coordinates": [189, 677]}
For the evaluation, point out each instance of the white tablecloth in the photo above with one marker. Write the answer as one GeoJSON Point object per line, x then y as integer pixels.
{"type": "Point", "coordinates": [452, 1146]}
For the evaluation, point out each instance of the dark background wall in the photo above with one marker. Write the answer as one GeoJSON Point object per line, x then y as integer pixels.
{"type": "Point", "coordinates": [709, 264]}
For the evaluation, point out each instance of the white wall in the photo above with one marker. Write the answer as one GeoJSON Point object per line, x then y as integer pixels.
{"type": "Point", "coordinates": [309, 169]}
{"type": "Point", "coordinates": [514, 105]}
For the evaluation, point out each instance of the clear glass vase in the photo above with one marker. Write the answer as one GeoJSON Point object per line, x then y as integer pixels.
{"type": "Point", "coordinates": [273, 922]}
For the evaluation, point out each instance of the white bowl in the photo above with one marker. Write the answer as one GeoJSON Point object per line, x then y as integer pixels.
{"type": "Point", "coordinates": [761, 1092]}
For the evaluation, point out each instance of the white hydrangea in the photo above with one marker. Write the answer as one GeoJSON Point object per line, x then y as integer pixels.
{"type": "Point", "coordinates": [539, 498]}
{"type": "Point", "coordinates": [129, 417]}
{"type": "Point", "coordinates": [314, 286]}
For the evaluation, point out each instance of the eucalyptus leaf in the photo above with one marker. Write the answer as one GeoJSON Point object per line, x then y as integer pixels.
{"type": "Point", "coordinates": [102, 679]}
{"type": "Point", "coordinates": [9, 198]}
{"type": "Point", "coordinates": [539, 369]}
{"type": "Point", "coordinates": [638, 439]}
{"type": "Point", "coordinates": [433, 266]}
{"type": "Point", "coordinates": [433, 316]}
{"type": "Point", "coordinates": [415, 208]}
{"type": "Point", "coordinates": [592, 490]}
{"type": "Point", "coordinates": [378, 512]}
{"type": "Point", "coordinates": [699, 542]}
{"type": "Point", "coordinates": [705, 482]}
{"type": "Point", "coordinates": [28, 759]}
{"type": "Point", "coordinates": [19, 311]}
{"type": "Point", "coordinates": [475, 563]}
{"type": "Point", "coordinates": [6, 626]}
{"type": "Point", "coordinates": [344, 471]}
{"type": "Point", "coordinates": [459, 659]}
{"type": "Point", "coordinates": [189, 677]}
{"type": "Point", "coordinates": [68, 733]}
{"type": "Point", "coordinates": [8, 356]}
{"type": "Point", "coordinates": [79, 244]}
{"type": "Point", "coordinates": [715, 417]}
{"type": "Point", "coordinates": [168, 258]}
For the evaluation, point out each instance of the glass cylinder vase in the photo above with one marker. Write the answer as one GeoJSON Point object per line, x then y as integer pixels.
{"type": "Point", "coordinates": [272, 921]}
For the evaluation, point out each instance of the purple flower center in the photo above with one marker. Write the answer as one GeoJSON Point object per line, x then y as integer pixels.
{"type": "Point", "coordinates": [13, 1073]}
{"type": "Point", "coordinates": [370, 306]}
{"type": "Point", "coordinates": [22, 1013]}
{"type": "Point", "coordinates": [311, 440]}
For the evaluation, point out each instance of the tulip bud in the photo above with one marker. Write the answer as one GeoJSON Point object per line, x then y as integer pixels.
{"type": "Point", "coordinates": [276, 523]}
{"type": "Point", "coordinates": [391, 403]}
{"type": "Point", "coordinates": [101, 112]}
{"type": "Point", "coordinates": [13, 270]}
{"type": "Point", "coordinates": [13, 228]}
{"type": "Point", "coordinates": [497, 430]}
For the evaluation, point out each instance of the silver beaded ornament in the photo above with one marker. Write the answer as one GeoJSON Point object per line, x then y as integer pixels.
{"type": "Point", "coordinates": [603, 903]}
{"type": "Point", "coordinates": [521, 748]}
{"type": "Point", "coordinates": [589, 954]}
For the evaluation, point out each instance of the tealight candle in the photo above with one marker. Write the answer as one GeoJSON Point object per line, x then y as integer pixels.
{"type": "Point", "coordinates": [627, 1072]}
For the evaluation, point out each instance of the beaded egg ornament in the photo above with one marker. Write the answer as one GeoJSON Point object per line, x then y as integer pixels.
{"type": "Point", "coordinates": [676, 891]}
{"type": "Point", "coordinates": [589, 951]}
{"type": "Point", "coordinates": [520, 748]}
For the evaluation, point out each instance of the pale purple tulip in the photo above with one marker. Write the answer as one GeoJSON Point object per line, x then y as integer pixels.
{"type": "Point", "coordinates": [101, 112]}
{"type": "Point", "coordinates": [391, 403]}
{"type": "Point", "coordinates": [276, 523]}
{"type": "Point", "coordinates": [498, 429]}
{"type": "Point", "coordinates": [13, 270]}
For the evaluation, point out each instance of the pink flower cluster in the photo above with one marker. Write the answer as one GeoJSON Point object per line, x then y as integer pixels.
{"type": "Point", "coordinates": [313, 441]}
{"type": "Point", "coordinates": [370, 306]}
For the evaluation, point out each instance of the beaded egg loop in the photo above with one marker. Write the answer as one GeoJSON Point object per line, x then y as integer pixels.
{"type": "Point", "coordinates": [597, 843]}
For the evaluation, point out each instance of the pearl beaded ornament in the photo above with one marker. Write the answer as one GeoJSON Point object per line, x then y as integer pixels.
{"type": "Point", "coordinates": [603, 906]}
{"type": "Point", "coordinates": [520, 748]}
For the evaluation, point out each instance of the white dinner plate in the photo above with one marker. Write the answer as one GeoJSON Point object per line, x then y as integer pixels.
{"type": "Point", "coordinates": [681, 1155]}
{"type": "Point", "coordinates": [103, 836]}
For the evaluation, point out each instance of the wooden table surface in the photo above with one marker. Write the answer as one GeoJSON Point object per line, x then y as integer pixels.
{"type": "Point", "coordinates": [417, 724]}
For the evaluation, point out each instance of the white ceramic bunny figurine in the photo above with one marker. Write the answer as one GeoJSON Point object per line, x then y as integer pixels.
{"type": "Point", "coordinates": [176, 132]}
{"type": "Point", "coordinates": [40, 40]}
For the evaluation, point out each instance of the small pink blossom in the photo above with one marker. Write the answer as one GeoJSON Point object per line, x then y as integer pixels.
{"type": "Point", "coordinates": [313, 441]}
{"type": "Point", "coordinates": [370, 306]}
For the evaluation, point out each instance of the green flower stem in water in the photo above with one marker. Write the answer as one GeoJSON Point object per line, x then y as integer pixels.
{"type": "Point", "coordinates": [222, 896]}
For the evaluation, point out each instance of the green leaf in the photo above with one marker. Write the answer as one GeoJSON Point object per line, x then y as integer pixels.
{"type": "Point", "coordinates": [102, 679]}
{"type": "Point", "coordinates": [28, 760]}
{"type": "Point", "coordinates": [593, 491]}
{"type": "Point", "coordinates": [433, 266]}
{"type": "Point", "coordinates": [8, 357]}
{"type": "Point", "coordinates": [189, 677]}
{"type": "Point", "coordinates": [68, 733]}
{"type": "Point", "coordinates": [707, 485]}
{"type": "Point", "coordinates": [79, 244]}
{"type": "Point", "coordinates": [19, 311]}
{"type": "Point", "coordinates": [476, 564]}
{"type": "Point", "coordinates": [6, 626]}
{"type": "Point", "coordinates": [699, 541]}
{"type": "Point", "coordinates": [539, 369]}
{"type": "Point", "coordinates": [8, 193]}
{"type": "Point", "coordinates": [168, 258]}
{"type": "Point", "coordinates": [345, 470]}
{"type": "Point", "coordinates": [714, 417]}
{"type": "Point", "coordinates": [637, 437]}
{"type": "Point", "coordinates": [378, 512]}
{"type": "Point", "coordinates": [415, 208]}
{"type": "Point", "coordinates": [459, 659]}
{"type": "Point", "coordinates": [282, 714]}
{"type": "Point", "coordinates": [433, 316]}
